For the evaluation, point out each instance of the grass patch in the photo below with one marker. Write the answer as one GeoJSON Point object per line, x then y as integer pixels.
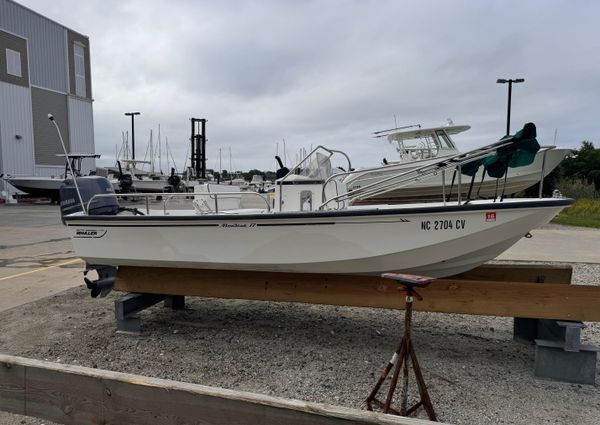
{"type": "Point", "coordinates": [583, 213]}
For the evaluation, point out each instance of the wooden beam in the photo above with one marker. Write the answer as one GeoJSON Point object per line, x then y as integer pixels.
{"type": "Point", "coordinates": [534, 273]}
{"type": "Point", "coordinates": [488, 298]}
{"type": "Point", "coordinates": [83, 396]}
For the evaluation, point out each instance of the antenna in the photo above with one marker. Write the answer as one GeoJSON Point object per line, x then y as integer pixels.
{"type": "Point", "coordinates": [380, 132]}
{"type": "Point", "coordinates": [51, 118]}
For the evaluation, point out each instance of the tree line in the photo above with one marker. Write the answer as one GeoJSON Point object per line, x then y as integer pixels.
{"type": "Point", "coordinates": [576, 176]}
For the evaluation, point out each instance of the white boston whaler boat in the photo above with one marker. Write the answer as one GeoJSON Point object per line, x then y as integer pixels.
{"type": "Point", "coordinates": [418, 147]}
{"type": "Point", "coordinates": [311, 226]}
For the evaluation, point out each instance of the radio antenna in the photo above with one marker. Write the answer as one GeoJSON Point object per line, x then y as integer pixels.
{"type": "Point", "coordinates": [51, 118]}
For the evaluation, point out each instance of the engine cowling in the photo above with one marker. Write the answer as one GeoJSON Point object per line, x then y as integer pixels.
{"type": "Point", "coordinates": [88, 187]}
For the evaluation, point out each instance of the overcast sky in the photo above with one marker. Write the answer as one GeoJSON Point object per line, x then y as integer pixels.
{"type": "Point", "coordinates": [332, 72]}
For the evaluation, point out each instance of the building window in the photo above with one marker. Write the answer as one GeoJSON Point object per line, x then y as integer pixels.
{"type": "Point", "coordinates": [79, 53]}
{"type": "Point", "coordinates": [13, 63]}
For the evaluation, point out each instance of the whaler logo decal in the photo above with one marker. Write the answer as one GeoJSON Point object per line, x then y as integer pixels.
{"type": "Point", "coordinates": [89, 233]}
{"type": "Point", "coordinates": [490, 216]}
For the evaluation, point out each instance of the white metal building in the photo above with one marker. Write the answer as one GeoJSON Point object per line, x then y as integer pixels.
{"type": "Point", "coordinates": [44, 68]}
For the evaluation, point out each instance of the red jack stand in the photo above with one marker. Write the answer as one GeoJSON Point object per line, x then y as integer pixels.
{"type": "Point", "coordinates": [401, 357]}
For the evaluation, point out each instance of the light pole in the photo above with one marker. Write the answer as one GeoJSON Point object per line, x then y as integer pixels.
{"type": "Point", "coordinates": [132, 115]}
{"type": "Point", "coordinates": [510, 83]}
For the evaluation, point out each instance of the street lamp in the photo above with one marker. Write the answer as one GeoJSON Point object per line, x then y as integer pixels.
{"type": "Point", "coordinates": [510, 83]}
{"type": "Point", "coordinates": [132, 115]}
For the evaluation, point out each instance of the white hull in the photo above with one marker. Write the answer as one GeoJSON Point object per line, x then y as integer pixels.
{"type": "Point", "coordinates": [355, 241]}
{"type": "Point", "coordinates": [150, 186]}
{"type": "Point", "coordinates": [518, 179]}
{"type": "Point", "coordinates": [37, 186]}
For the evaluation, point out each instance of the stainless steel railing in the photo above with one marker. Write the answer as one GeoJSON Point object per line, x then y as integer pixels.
{"type": "Point", "coordinates": [168, 197]}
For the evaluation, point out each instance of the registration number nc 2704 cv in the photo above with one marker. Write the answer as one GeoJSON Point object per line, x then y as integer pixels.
{"type": "Point", "coordinates": [458, 224]}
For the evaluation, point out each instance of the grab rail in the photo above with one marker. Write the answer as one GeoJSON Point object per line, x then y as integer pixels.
{"type": "Point", "coordinates": [215, 196]}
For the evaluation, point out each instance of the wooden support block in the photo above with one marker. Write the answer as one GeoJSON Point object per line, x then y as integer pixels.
{"type": "Point", "coordinates": [490, 298]}
{"type": "Point", "coordinates": [534, 273]}
{"type": "Point", "coordinates": [83, 396]}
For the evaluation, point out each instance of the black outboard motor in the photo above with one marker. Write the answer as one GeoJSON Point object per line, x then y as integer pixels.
{"type": "Point", "coordinates": [175, 181]}
{"type": "Point", "coordinates": [125, 180]}
{"type": "Point", "coordinates": [88, 187]}
{"type": "Point", "coordinates": [282, 170]}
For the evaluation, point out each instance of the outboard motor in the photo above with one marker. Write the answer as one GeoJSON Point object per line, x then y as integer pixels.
{"type": "Point", "coordinates": [282, 169]}
{"type": "Point", "coordinates": [125, 180]}
{"type": "Point", "coordinates": [88, 187]}
{"type": "Point", "coordinates": [175, 181]}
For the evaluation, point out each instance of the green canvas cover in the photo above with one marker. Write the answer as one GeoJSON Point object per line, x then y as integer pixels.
{"type": "Point", "coordinates": [519, 153]}
{"type": "Point", "coordinates": [471, 168]}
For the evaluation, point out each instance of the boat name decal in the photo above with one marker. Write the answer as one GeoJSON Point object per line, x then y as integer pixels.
{"type": "Point", "coordinates": [89, 233]}
{"type": "Point", "coordinates": [237, 225]}
{"type": "Point", "coordinates": [490, 216]}
{"type": "Point", "coordinates": [458, 224]}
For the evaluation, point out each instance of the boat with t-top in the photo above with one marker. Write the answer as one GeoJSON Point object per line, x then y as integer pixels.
{"type": "Point", "coordinates": [418, 147]}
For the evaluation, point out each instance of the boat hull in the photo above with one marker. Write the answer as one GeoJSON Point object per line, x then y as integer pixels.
{"type": "Point", "coordinates": [437, 241]}
{"type": "Point", "coordinates": [46, 187]}
{"type": "Point", "coordinates": [150, 186]}
{"type": "Point", "coordinates": [518, 179]}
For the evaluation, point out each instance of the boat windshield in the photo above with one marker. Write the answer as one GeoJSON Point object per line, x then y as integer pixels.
{"type": "Point", "coordinates": [319, 168]}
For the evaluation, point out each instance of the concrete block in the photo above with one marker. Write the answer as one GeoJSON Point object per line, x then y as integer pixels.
{"type": "Point", "coordinates": [554, 363]}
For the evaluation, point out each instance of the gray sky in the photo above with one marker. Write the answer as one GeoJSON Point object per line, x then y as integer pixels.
{"type": "Point", "coordinates": [332, 72]}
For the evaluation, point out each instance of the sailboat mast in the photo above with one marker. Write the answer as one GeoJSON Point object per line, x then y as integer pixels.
{"type": "Point", "coordinates": [151, 153]}
{"type": "Point", "coordinates": [159, 152]}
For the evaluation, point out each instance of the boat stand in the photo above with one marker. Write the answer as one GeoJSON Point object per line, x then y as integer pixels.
{"type": "Point", "coordinates": [129, 306]}
{"type": "Point", "coordinates": [403, 353]}
{"type": "Point", "coordinates": [559, 352]}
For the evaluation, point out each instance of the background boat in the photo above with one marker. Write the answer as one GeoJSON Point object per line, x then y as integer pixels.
{"type": "Point", "coordinates": [423, 146]}
{"type": "Point", "coordinates": [48, 187]}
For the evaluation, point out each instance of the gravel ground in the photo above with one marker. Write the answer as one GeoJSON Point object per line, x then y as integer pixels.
{"type": "Point", "coordinates": [475, 372]}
